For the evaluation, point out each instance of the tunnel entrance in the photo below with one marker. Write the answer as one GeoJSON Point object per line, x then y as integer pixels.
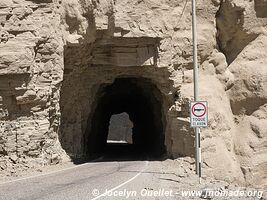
{"type": "Point", "coordinates": [142, 101]}
{"type": "Point", "coordinates": [113, 75]}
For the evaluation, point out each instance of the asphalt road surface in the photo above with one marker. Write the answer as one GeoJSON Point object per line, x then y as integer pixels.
{"type": "Point", "coordinates": [114, 180]}
{"type": "Point", "coordinates": [118, 170]}
{"type": "Point", "coordinates": [85, 181]}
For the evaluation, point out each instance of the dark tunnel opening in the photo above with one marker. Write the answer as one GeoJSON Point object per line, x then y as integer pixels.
{"type": "Point", "coordinates": [142, 101]}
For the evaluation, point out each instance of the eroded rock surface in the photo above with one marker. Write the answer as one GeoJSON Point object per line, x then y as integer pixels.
{"type": "Point", "coordinates": [120, 128]}
{"type": "Point", "coordinates": [56, 56]}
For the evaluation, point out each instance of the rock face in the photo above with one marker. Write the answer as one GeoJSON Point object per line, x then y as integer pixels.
{"type": "Point", "coordinates": [120, 128]}
{"type": "Point", "coordinates": [58, 60]}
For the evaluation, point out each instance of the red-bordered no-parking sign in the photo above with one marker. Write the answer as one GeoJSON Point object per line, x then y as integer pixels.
{"type": "Point", "coordinates": [199, 114]}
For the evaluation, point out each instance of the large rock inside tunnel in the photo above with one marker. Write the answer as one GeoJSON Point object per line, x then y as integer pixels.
{"type": "Point", "coordinates": [120, 128]}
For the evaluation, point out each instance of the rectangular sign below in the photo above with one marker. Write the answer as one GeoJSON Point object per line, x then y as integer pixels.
{"type": "Point", "coordinates": [199, 114]}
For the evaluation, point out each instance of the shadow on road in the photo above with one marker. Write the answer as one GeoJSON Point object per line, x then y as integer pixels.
{"type": "Point", "coordinates": [122, 152]}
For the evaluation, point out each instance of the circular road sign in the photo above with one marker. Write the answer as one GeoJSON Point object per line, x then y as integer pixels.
{"type": "Point", "coordinates": [199, 109]}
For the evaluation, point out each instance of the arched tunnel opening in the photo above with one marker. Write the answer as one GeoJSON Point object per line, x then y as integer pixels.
{"type": "Point", "coordinates": [143, 102]}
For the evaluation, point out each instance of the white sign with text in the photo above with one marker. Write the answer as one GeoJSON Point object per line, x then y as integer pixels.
{"type": "Point", "coordinates": [199, 114]}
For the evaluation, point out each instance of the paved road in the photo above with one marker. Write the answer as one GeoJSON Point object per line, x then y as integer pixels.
{"type": "Point", "coordinates": [143, 180]}
{"type": "Point", "coordinates": [76, 183]}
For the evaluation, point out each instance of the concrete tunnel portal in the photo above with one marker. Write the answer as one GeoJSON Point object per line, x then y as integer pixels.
{"type": "Point", "coordinates": [110, 77]}
{"type": "Point", "coordinates": [142, 101]}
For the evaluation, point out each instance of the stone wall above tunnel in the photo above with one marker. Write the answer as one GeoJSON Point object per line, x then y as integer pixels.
{"type": "Point", "coordinates": [120, 51]}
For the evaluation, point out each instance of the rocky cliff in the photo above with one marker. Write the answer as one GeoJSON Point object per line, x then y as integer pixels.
{"type": "Point", "coordinates": [57, 57]}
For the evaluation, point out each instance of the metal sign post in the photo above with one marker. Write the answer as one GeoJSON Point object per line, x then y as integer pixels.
{"type": "Point", "coordinates": [197, 129]}
{"type": "Point", "coordinates": [198, 118]}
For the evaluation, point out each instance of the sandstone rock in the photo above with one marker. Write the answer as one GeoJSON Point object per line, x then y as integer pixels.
{"type": "Point", "coordinates": [188, 76]}
{"type": "Point", "coordinates": [13, 158]}
{"type": "Point", "coordinates": [251, 151]}
{"type": "Point", "coordinates": [250, 82]}
{"type": "Point", "coordinates": [236, 29]}
{"type": "Point", "coordinates": [219, 62]}
{"type": "Point", "coordinates": [57, 56]}
{"type": "Point", "coordinates": [120, 128]}
{"type": "Point", "coordinates": [260, 8]}
{"type": "Point", "coordinates": [6, 3]}
{"type": "Point", "coordinates": [55, 159]}
{"type": "Point", "coordinates": [28, 97]}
